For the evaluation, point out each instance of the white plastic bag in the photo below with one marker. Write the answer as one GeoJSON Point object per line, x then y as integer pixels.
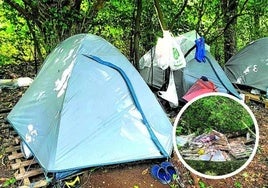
{"type": "Point", "coordinates": [171, 94]}
{"type": "Point", "coordinates": [177, 60]}
{"type": "Point", "coordinates": [25, 150]}
{"type": "Point", "coordinates": [169, 53]}
{"type": "Point", "coordinates": [162, 53]}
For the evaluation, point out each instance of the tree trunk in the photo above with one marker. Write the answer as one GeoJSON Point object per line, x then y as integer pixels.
{"type": "Point", "coordinates": [256, 20]}
{"type": "Point", "coordinates": [229, 7]}
{"type": "Point", "coordinates": [137, 34]}
{"type": "Point", "coordinates": [36, 43]}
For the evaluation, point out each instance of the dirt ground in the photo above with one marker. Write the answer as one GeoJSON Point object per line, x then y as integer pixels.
{"type": "Point", "coordinates": [255, 175]}
{"type": "Point", "coordinates": [137, 174]}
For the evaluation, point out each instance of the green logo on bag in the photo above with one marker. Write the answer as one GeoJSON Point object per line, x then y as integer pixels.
{"type": "Point", "coordinates": [176, 54]}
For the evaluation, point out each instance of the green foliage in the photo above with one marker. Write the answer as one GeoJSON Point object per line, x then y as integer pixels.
{"type": "Point", "coordinates": [202, 184]}
{"type": "Point", "coordinates": [237, 184]}
{"type": "Point", "coordinates": [113, 20]}
{"type": "Point", "coordinates": [215, 112]}
{"type": "Point", "coordinates": [114, 23]}
{"type": "Point", "coordinates": [15, 43]}
{"type": "Point", "coordinates": [9, 182]}
{"type": "Point", "coordinates": [179, 130]}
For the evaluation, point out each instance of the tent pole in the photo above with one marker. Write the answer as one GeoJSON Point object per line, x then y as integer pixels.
{"type": "Point", "coordinates": [132, 92]}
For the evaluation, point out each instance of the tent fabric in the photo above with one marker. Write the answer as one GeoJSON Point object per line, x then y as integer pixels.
{"type": "Point", "coordinates": [81, 113]}
{"type": "Point", "coordinates": [249, 66]}
{"type": "Point", "coordinates": [187, 76]}
{"type": "Point", "coordinates": [200, 87]}
{"type": "Point", "coordinates": [210, 69]}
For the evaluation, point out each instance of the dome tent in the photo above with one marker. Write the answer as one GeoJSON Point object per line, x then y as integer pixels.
{"type": "Point", "coordinates": [88, 107]}
{"type": "Point", "coordinates": [184, 78]}
{"type": "Point", "coordinates": [249, 66]}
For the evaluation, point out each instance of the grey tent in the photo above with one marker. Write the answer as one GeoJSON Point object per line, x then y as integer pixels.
{"type": "Point", "coordinates": [185, 77]}
{"type": "Point", "coordinates": [88, 107]}
{"type": "Point", "coordinates": [249, 67]}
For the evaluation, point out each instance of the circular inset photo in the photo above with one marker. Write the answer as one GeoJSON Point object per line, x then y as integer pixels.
{"type": "Point", "coordinates": [215, 135]}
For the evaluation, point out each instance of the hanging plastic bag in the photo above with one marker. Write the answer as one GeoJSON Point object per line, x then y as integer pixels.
{"type": "Point", "coordinates": [171, 94]}
{"type": "Point", "coordinates": [169, 53]}
{"type": "Point", "coordinates": [162, 53]}
{"type": "Point", "coordinates": [177, 60]}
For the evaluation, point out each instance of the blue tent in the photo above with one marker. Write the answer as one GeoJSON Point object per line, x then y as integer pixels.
{"type": "Point", "coordinates": [87, 107]}
{"type": "Point", "coordinates": [184, 78]}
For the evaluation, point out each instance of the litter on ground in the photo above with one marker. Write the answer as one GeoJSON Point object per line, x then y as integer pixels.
{"type": "Point", "coordinates": [214, 146]}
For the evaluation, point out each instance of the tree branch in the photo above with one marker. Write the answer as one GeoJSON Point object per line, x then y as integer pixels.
{"type": "Point", "coordinates": [200, 15]}
{"type": "Point", "coordinates": [17, 7]}
{"type": "Point", "coordinates": [220, 33]}
{"type": "Point", "coordinates": [97, 5]}
{"type": "Point", "coordinates": [176, 17]}
{"type": "Point", "coordinates": [160, 15]}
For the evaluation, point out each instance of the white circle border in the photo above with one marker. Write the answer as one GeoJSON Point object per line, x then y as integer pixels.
{"type": "Point", "coordinates": [250, 157]}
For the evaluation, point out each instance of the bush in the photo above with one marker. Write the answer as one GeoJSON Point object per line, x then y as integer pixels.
{"type": "Point", "coordinates": [215, 112]}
